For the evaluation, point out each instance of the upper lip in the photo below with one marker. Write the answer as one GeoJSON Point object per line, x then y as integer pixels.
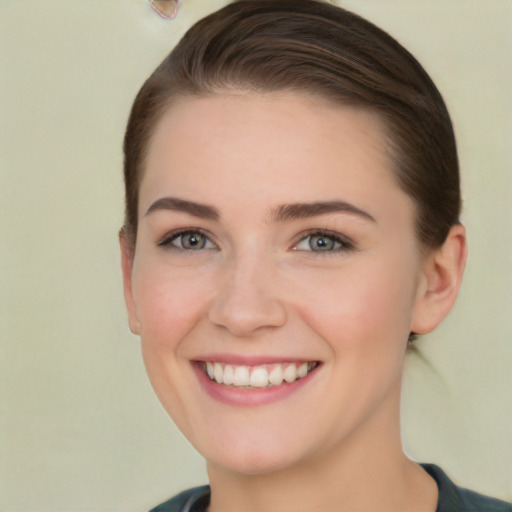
{"type": "Point", "coordinates": [255, 360]}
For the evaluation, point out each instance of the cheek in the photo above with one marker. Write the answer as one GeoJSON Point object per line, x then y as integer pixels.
{"type": "Point", "coordinates": [361, 307]}
{"type": "Point", "coordinates": [169, 303]}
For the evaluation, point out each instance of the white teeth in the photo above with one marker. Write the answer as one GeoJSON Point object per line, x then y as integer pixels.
{"type": "Point", "coordinates": [302, 370]}
{"type": "Point", "coordinates": [241, 377]}
{"type": "Point", "coordinates": [218, 372]}
{"type": "Point", "coordinates": [290, 373]}
{"type": "Point", "coordinates": [259, 376]}
{"type": "Point", "coordinates": [276, 375]}
{"type": "Point", "coordinates": [229, 375]}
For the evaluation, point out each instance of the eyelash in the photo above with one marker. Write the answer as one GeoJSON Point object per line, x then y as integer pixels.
{"type": "Point", "coordinates": [341, 243]}
{"type": "Point", "coordinates": [167, 241]}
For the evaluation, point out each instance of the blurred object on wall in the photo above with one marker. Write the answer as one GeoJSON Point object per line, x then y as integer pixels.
{"type": "Point", "coordinates": [167, 9]}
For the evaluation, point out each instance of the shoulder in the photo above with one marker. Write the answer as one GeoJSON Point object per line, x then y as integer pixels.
{"type": "Point", "coordinates": [196, 499]}
{"type": "Point", "coordinates": [453, 498]}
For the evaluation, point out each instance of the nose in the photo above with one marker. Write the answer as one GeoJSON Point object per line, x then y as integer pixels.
{"type": "Point", "coordinates": [247, 300]}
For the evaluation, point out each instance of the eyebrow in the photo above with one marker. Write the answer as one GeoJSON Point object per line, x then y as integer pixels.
{"type": "Point", "coordinates": [305, 210]}
{"type": "Point", "coordinates": [202, 211]}
{"type": "Point", "coordinates": [282, 213]}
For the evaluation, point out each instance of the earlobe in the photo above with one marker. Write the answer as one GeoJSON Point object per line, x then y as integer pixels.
{"type": "Point", "coordinates": [127, 269]}
{"type": "Point", "coordinates": [440, 281]}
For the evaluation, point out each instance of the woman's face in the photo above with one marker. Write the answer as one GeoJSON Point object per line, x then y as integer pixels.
{"type": "Point", "coordinates": [275, 251]}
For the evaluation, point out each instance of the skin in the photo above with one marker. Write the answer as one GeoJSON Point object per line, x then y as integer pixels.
{"type": "Point", "coordinates": [259, 288]}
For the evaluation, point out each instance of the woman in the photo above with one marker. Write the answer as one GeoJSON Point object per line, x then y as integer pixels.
{"type": "Point", "coordinates": [292, 222]}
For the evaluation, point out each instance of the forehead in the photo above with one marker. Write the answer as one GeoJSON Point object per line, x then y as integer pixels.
{"type": "Point", "coordinates": [297, 116]}
{"type": "Point", "coordinates": [273, 145]}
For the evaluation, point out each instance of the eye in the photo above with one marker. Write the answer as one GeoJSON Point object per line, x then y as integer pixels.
{"type": "Point", "coordinates": [189, 240]}
{"type": "Point", "coordinates": [323, 242]}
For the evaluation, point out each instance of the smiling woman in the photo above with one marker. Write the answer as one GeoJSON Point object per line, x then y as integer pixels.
{"type": "Point", "coordinates": [292, 217]}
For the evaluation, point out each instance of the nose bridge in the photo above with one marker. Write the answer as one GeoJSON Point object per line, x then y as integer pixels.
{"type": "Point", "coordinates": [247, 298]}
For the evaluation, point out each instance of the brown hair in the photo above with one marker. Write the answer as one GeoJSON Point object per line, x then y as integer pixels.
{"type": "Point", "coordinates": [317, 48]}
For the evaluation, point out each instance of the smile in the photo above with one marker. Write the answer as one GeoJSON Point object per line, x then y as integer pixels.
{"type": "Point", "coordinates": [257, 377]}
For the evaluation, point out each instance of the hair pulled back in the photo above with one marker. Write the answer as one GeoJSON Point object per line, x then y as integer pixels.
{"type": "Point", "coordinates": [312, 47]}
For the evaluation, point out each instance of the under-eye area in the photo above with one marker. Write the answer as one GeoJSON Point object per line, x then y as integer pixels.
{"type": "Point", "coordinates": [260, 376]}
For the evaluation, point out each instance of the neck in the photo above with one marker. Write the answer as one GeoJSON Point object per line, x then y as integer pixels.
{"type": "Point", "coordinates": [368, 472]}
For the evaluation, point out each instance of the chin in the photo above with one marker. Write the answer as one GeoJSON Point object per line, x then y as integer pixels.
{"type": "Point", "coordinates": [255, 455]}
{"type": "Point", "coordinates": [254, 463]}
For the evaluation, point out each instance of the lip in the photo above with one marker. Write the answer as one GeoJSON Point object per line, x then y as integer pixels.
{"type": "Point", "coordinates": [241, 360]}
{"type": "Point", "coordinates": [240, 397]}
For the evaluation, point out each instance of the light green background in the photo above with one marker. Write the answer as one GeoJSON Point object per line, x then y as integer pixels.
{"type": "Point", "coordinates": [80, 427]}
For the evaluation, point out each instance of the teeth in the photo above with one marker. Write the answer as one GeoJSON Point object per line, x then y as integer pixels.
{"type": "Point", "coordinates": [276, 375]}
{"type": "Point", "coordinates": [229, 375]}
{"type": "Point", "coordinates": [218, 372]}
{"type": "Point", "coordinates": [258, 376]}
{"type": "Point", "coordinates": [290, 373]}
{"type": "Point", "coordinates": [241, 377]}
{"type": "Point", "coordinates": [302, 370]}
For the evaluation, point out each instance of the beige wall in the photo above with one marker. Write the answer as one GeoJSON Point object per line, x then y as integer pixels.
{"type": "Point", "coordinates": [80, 428]}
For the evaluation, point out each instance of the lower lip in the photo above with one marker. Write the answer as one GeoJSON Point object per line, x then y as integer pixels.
{"type": "Point", "coordinates": [249, 397]}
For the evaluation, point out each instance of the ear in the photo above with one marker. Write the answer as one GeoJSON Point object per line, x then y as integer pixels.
{"type": "Point", "coordinates": [127, 256]}
{"type": "Point", "coordinates": [440, 281]}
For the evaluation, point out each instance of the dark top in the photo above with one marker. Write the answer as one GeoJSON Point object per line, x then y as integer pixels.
{"type": "Point", "coordinates": [451, 498]}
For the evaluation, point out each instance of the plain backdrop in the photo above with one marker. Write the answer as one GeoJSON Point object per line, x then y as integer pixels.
{"type": "Point", "coordinates": [80, 427]}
